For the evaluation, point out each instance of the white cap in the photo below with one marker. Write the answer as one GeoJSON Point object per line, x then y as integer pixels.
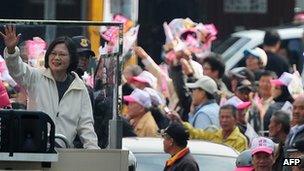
{"type": "Point", "coordinates": [257, 52]}
{"type": "Point", "coordinates": [285, 79]}
{"type": "Point", "coordinates": [237, 102]}
{"type": "Point", "coordinates": [139, 96]}
{"type": "Point", "coordinates": [197, 68]}
{"type": "Point", "coordinates": [156, 98]}
{"type": "Point", "coordinates": [146, 77]}
{"type": "Point", "coordinates": [206, 83]}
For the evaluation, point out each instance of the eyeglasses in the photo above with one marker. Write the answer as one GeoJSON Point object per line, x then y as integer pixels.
{"type": "Point", "coordinates": [53, 53]}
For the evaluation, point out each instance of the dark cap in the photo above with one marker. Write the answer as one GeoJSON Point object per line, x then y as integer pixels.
{"type": "Point", "coordinates": [242, 73]}
{"type": "Point", "coordinates": [244, 85]}
{"type": "Point", "coordinates": [83, 45]}
{"type": "Point", "coordinates": [178, 133]}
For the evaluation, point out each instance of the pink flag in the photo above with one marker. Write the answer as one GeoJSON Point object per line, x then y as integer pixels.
{"type": "Point", "coordinates": [35, 47]}
{"type": "Point", "coordinates": [4, 99]}
{"type": "Point", "coordinates": [2, 65]}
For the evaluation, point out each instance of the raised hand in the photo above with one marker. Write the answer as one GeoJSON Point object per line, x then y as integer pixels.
{"type": "Point", "coordinates": [174, 116]}
{"type": "Point", "coordinates": [140, 52]}
{"type": "Point", "coordinates": [186, 67]}
{"type": "Point", "coordinates": [10, 38]}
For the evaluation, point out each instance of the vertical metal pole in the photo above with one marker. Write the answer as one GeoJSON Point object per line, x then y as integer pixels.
{"type": "Point", "coordinates": [115, 138]}
{"type": "Point", "coordinates": [84, 6]}
{"type": "Point", "coordinates": [50, 14]}
{"type": "Point", "coordinates": [135, 9]}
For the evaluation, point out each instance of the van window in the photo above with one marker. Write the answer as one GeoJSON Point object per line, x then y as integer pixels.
{"type": "Point", "coordinates": [231, 46]}
{"type": "Point", "coordinates": [222, 47]}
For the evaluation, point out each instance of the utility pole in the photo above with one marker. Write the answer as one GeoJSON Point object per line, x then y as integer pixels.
{"type": "Point", "coordinates": [50, 14]}
{"type": "Point", "coordinates": [116, 124]}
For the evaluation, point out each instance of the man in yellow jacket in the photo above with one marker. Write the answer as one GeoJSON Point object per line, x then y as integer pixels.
{"type": "Point", "coordinates": [229, 134]}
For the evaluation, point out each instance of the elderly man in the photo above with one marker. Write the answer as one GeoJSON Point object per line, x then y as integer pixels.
{"type": "Point", "coordinates": [147, 82]}
{"type": "Point", "coordinates": [278, 129]}
{"type": "Point", "coordinates": [242, 107]}
{"type": "Point", "coordinates": [229, 134]}
{"type": "Point", "coordinates": [175, 143]}
{"type": "Point", "coordinates": [140, 117]}
{"type": "Point", "coordinates": [262, 151]}
{"type": "Point", "coordinates": [297, 132]}
{"type": "Point", "coordinates": [205, 111]}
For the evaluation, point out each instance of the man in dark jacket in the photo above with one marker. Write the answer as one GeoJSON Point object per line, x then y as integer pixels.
{"type": "Point", "coordinates": [297, 132]}
{"type": "Point", "coordinates": [271, 45]}
{"type": "Point", "coordinates": [85, 54]}
{"type": "Point", "coordinates": [175, 143]}
{"type": "Point", "coordinates": [278, 130]}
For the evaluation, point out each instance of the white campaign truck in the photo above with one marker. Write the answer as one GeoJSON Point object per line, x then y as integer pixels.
{"type": "Point", "coordinates": [67, 160]}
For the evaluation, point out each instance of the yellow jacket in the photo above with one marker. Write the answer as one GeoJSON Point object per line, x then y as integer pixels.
{"type": "Point", "coordinates": [235, 140]}
{"type": "Point", "coordinates": [146, 126]}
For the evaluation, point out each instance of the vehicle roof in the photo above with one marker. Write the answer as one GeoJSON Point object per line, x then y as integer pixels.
{"type": "Point", "coordinates": [254, 38]}
{"type": "Point", "coordinates": [155, 145]}
{"type": "Point", "coordinates": [285, 33]}
{"type": "Point", "coordinates": [250, 34]}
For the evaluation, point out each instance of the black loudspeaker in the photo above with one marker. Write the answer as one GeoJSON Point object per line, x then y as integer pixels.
{"type": "Point", "coordinates": [26, 131]}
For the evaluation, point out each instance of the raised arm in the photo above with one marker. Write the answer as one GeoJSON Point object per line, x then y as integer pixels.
{"type": "Point", "coordinates": [10, 38]}
{"type": "Point", "coordinates": [21, 72]}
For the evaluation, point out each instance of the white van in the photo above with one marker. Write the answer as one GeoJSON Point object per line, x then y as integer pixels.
{"type": "Point", "coordinates": [150, 155]}
{"type": "Point", "coordinates": [232, 48]}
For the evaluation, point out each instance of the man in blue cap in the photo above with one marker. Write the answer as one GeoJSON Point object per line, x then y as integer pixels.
{"type": "Point", "coordinates": [85, 53]}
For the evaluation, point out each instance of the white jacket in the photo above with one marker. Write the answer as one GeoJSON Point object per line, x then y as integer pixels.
{"type": "Point", "coordinates": [72, 115]}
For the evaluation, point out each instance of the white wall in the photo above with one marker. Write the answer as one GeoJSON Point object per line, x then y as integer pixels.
{"type": "Point", "coordinates": [128, 8]}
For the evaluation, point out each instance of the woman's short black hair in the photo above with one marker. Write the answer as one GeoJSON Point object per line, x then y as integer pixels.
{"type": "Point", "coordinates": [216, 64]}
{"type": "Point", "coordinates": [71, 48]}
{"type": "Point", "coordinates": [284, 96]}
